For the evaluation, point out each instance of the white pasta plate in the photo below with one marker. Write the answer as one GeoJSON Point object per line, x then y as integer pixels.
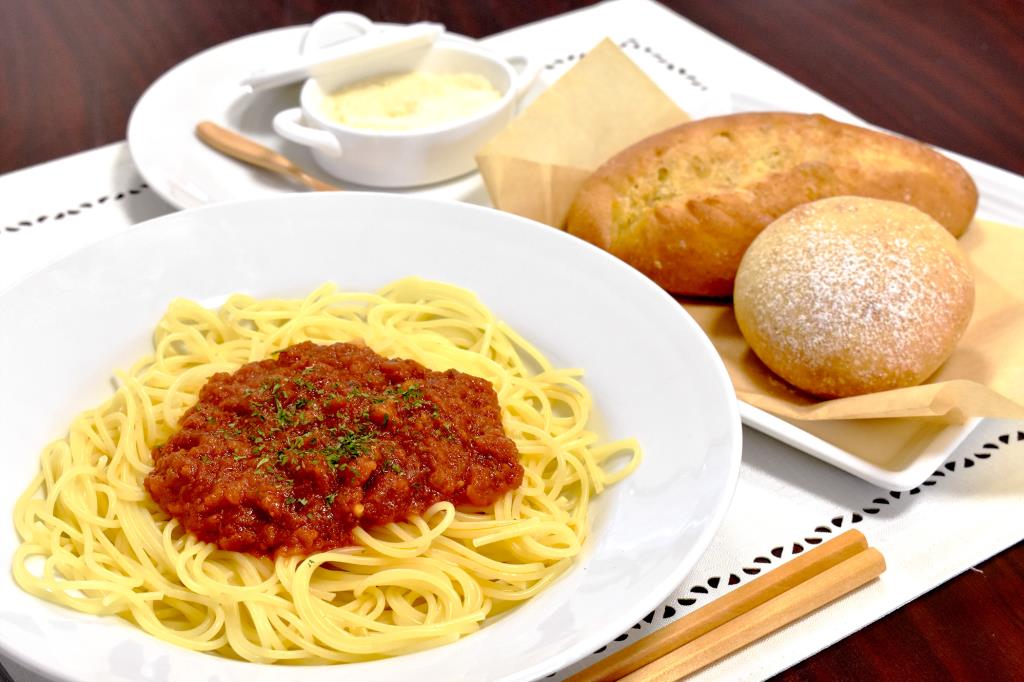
{"type": "Point", "coordinates": [652, 373]}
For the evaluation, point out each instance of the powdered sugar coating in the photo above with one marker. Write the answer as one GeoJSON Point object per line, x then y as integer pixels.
{"type": "Point", "coordinates": [851, 295]}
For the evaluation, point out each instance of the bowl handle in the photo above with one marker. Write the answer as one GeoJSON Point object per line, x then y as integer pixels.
{"type": "Point", "coordinates": [288, 124]}
{"type": "Point", "coordinates": [527, 71]}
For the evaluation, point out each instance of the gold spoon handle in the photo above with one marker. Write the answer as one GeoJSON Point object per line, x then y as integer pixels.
{"type": "Point", "coordinates": [242, 148]}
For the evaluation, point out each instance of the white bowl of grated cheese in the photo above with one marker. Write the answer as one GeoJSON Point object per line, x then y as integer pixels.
{"type": "Point", "coordinates": [408, 119]}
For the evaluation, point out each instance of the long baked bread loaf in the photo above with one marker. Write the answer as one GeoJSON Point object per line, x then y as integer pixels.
{"type": "Point", "coordinates": [683, 205]}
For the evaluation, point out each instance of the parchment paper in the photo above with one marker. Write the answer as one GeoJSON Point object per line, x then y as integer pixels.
{"type": "Point", "coordinates": [602, 105]}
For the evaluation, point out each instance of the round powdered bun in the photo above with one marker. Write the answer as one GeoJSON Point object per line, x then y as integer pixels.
{"type": "Point", "coordinates": [850, 295]}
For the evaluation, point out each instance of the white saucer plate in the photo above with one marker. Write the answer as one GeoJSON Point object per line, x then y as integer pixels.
{"type": "Point", "coordinates": [186, 173]}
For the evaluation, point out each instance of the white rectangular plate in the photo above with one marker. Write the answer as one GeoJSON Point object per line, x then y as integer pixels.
{"type": "Point", "coordinates": [907, 452]}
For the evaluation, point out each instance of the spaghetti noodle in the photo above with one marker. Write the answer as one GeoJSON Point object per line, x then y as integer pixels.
{"type": "Point", "coordinates": [93, 540]}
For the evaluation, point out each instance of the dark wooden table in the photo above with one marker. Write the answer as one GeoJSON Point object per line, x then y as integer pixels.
{"type": "Point", "coordinates": [946, 72]}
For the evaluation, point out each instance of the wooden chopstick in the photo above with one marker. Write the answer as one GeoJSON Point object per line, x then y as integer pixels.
{"type": "Point", "coordinates": [744, 615]}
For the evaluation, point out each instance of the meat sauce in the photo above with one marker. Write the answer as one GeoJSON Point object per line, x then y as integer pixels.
{"type": "Point", "coordinates": [289, 455]}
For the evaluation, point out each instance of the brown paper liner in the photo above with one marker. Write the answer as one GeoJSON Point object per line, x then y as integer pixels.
{"type": "Point", "coordinates": [602, 105]}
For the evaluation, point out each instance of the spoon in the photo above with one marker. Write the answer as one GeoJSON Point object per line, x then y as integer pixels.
{"type": "Point", "coordinates": [239, 147]}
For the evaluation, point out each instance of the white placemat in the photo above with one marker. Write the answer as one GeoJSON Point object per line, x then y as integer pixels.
{"type": "Point", "coordinates": [786, 501]}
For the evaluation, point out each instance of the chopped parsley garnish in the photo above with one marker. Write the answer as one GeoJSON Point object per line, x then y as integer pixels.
{"type": "Point", "coordinates": [356, 392]}
{"type": "Point", "coordinates": [284, 416]}
{"type": "Point", "coordinates": [348, 446]}
{"type": "Point", "coordinates": [412, 395]}
{"type": "Point", "coordinates": [304, 383]}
